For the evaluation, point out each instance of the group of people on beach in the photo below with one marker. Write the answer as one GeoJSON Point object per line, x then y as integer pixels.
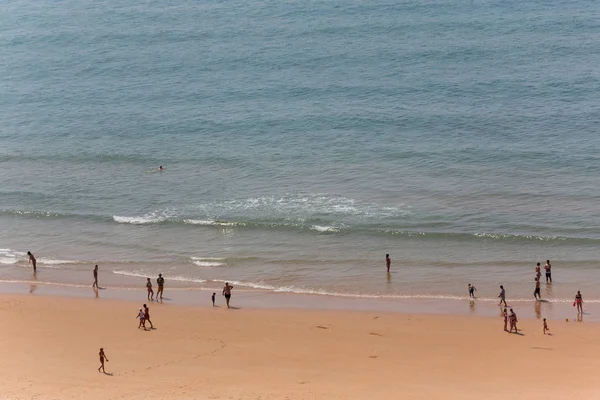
{"type": "Point", "coordinates": [160, 282]}
{"type": "Point", "coordinates": [511, 318]}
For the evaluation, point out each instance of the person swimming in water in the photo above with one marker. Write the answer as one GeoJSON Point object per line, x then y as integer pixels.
{"type": "Point", "coordinates": [160, 168]}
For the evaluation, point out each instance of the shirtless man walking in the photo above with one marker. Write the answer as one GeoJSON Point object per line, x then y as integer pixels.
{"type": "Point", "coordinates": [227, 292]}
{"type": "Point", "coordinates": [95, 277]}
{"type": "Point", "coordinates": [33, 261]}
{"type": "Point", "coordinates": [102, 358]}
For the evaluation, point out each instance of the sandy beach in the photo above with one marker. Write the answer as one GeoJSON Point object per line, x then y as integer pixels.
{"type": "Point", "coordinates": [50, 351]}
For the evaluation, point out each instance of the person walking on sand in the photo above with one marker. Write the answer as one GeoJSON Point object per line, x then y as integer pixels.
{"type": "Point", "coordinates": [142, 318]}
{"type": "Point", "coordinates": [161, 284]}
{"type": "Point", "coordinates": [472, 290]}
{"type": "Point", "coordinates": [388, 262]}
{"type": "Point", "coordinates": [579, 302]}
{"type": "Point", "coordinates": [538, 271]}
{"type": "Point", "coordinates": [102, 358]}
{"type": "Point", "coordinates": [95, 284]}
{"type": "Point", "coordinates": [536, 292]}
{"type": "Point", "coordinates": [150, 291]}
{"type": "Point", "coordinates": [548, 269]}
{"type": "Point", "coordinates": [545, 326]}
{"type": "Point", "coordinates": [227, 292]}
{"type": "Point", "coordinates": [147, 316]}
{"type": "Point", "coordinates": [502, 296]}
{"type": "Point", "coordinates": [505, 320]}
{"type": "Point", "coordinates": [513, 321]}
{"type": "Point", "coordinates": [213, 298]}
{"type": "Point", "coordinates": [32, 261]}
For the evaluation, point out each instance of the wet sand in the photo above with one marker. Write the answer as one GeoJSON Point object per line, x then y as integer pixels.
{"type": "Point", "coordinates": [50, 351]}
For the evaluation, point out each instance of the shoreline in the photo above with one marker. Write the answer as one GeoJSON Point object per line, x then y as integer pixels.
{"type": "Point", "coordinates": [257, 299]}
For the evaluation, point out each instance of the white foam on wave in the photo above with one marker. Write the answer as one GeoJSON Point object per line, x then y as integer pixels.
{"type": "Point", "coordinates": [167, 278]}
{"type": "Point", "coordinates": [212, 223]}
{"type": "Point", "coordinates": [9, 256]}
{"type": "Point", "coordinates": [325, 229]}
{"type": "Point", "coordinates": [138, 220]}
{"type": "Point", "coordinates": [51, 261]}
{"type": "Point", "coordinates": [208, 262]}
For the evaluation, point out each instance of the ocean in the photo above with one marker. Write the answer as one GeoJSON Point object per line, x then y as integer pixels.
{"type": "Point", "coordinates": [302, 141]}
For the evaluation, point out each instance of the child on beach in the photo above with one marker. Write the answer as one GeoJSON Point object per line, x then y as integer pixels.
{"type": "Point", "coordinates": [142, 318]}
{"type": "Point", "coordinates": [545, 326]}
{"type": "Point", "coordinates": [213, 298]}
{"type": "Point", "coordinates": [472, 291]}
{"type": "Point", "coordinates": [150, 291]}
{"type": "Point", "coordinates": [102, 358]}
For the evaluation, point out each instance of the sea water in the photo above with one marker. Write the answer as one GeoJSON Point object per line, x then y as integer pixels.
{"type": "Point", "coordinates": [302, 141]}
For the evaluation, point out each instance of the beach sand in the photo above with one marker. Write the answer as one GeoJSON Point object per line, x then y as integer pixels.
{"type": "Point", "coordinates": [49, 348]}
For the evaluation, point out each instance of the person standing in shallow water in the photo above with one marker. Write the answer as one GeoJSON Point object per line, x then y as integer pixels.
{"type": "Point", "coordinates": [548, 269]}
{"type": "Point", "coordinates": [472, 291]}
{"type": "Point", "coordinates": [502, 296]}
{"type": "Point", "coordinates": [579, 302]}
{"type": "Point", "coordinates": [95, 277]}
{"type": "Point", "coordinates": [538, 271]}
{"type": "Point", "coordinates": [536, 292]}
{"type": "Point", "coordinates": [388, 262]}
{"type": "Point", "coordinates": [227, 292]}
{"type": "Point", "coordinates": [33, 261]}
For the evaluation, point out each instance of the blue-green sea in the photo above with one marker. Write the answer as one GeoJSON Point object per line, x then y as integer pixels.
{"type": "Point", "coordinates": [301, 142]}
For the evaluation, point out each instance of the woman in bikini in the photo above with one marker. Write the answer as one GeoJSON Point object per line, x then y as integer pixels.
{"type": "Point", "coordinates": [579, 302]}
{"type": "Point", "coordinates": [150, 291]}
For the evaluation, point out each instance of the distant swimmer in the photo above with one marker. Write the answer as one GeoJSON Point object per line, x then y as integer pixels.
{"type": "Point", "coordinates": [160, 168]}
{"type": "Point", "coordinates": [150, 291]}
{"type": "Point", "coordinates": [33, 261]}
{"type": "Point", "coordinates": [502, 296]}
{"type": "Point", "coordinates": [579, 302]}
{"type": "Point", "coordinates": [548, 269]}
{"type": "Point", "coordinates": [95, 284]}
{"type": "Point", "coordinates": [161, 285]}
{"type": "Point", "coordinates": [227, 292]}
{"type": "Point", "coordinates": [388, 262]}
{"type": "Point", "coordinates": [102, 358]}
{"type": "Point", "coordinates": [472, 290]}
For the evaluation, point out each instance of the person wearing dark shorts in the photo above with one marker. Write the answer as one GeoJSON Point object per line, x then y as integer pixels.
{"type": "Point", "coordinates": [548, 269]}
{"type": "Point", "coordinates": [536, 292]}
{"type": "Point", "coordinates": [227, 292]}
{"type": "Point", "coordinates": [161, 285]}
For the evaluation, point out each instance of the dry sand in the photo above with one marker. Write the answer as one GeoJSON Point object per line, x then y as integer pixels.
{"type": "Point", "coordinates": [50, 346]}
